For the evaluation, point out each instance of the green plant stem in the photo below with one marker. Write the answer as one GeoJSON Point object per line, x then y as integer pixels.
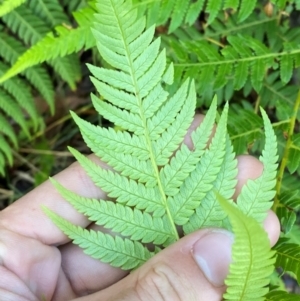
{"type": "Point", "coordinates": [286, 152]}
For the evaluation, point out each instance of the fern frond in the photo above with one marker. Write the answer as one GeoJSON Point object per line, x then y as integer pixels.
{"type": "Point", "coordinates": [154, 192]}
{"type": "Point", "coordinates": [255, 198]}
{"type": "Point", "coordinates": [25, 24]}
{"type": "Point", "coordinates": [242, 54]}
{"type": "Point", "coordinates": [53, 46]}
{"type": "Point", "coordinates": [117, 251]}
{"type": "Point", "coordinates": [32, 29]}
{"type": "Point", "coordinates": [21, 93]}
{"type": "Point", "coordinates": [50, 11]}
{"type": "Point", "coordinates": [253, 261]}
{"type": "Point", "coordinates": [288, 257]}
{"type": "Point", "coordinates": [10, 50]}
{"type": "Point", "coordinates": [9, 5]}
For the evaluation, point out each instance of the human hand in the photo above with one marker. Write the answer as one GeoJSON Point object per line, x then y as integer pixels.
{"type": "Point", "coordinates": [39, 263]}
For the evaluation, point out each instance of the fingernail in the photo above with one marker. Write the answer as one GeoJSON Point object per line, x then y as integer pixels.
{"type": "Point", "coordinates": [212, 253]}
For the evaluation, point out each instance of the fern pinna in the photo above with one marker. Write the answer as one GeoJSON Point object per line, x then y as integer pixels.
{"type": "Point", "coordinates": [158, 183]}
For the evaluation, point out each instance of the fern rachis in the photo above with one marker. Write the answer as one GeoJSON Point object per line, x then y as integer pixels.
{"type": "Point", "coordinates": [154, 191]}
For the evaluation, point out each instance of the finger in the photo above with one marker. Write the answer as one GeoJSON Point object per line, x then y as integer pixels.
{"type": "Point", "coordinates": [30, 265]}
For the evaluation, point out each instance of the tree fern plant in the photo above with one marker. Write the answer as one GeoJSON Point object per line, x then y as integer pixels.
{"type": "Point", "coordinates": [155, 191]}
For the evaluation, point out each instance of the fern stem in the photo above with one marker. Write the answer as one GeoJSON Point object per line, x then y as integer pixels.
{"type": "Point", "coordinates": [147, 135]}
{"type": "Point", "coordinates": [288, 145]}
{"type": "Point", "coordinates": [256, 108]}
{"type": "Point", "coordinates": [246, 59]}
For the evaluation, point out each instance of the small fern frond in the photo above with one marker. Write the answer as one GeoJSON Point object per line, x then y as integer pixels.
{"type": "Point", "coordinates": [288, 257]}
{"type": "Point", "coordinates": [9, 5]}
{"type": "Point", "coordinates": [119, 252]}
{"type": "Point", "coordinates": [253, 261]}
{"type": "Point", "coordinates": [54, 45]}
{"type": "Point", "coordinates": [255, 198]}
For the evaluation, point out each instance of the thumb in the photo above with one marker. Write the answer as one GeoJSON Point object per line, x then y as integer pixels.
{"type": "Point", "coordinates": [194, 268]}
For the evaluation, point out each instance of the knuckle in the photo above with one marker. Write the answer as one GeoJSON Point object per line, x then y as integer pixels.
{"type": "Point", "coordinates": [162, 283]}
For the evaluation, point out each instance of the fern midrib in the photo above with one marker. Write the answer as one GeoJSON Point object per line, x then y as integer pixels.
{"type": "Point", "coordinates": [247, 59]}
{"type": "Point", "coordinates": [287, 255]}
{"type": "Point", "coordinates": [258, 129]}
{"type": "Point", "coordinates": [147, 135]}
{"type": "Point", "coordinates": [250, 264]}
{"type": "Point", "coordinates": [238, 28]}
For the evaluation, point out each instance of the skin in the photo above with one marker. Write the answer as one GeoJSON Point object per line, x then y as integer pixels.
{"type": "Point", "coordinates": [38, 262]}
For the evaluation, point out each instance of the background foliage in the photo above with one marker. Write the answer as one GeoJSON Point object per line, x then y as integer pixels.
{"type": "Point", "coordinates": [246, 52]}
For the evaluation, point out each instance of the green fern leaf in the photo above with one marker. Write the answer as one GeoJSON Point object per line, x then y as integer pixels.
{"type": "Point", "coordinates": [117, 251]}
{"type": "Point", "coordinates": [255, 198]}
{"type": "Point", "coordinates": [10, 50]}
{"type": "Point", "coordinates": [31, 29]}
{"type": "Point", "coordinates": [53, 46]}
{"type": "Point", "coordinates": [9, 5]}
{"type": "Point", "coordinates": [252, 258]}
{"type": "Point", "coordinates": [21, 93]}
{"type": "Point", "coordinates": [288, 257]}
